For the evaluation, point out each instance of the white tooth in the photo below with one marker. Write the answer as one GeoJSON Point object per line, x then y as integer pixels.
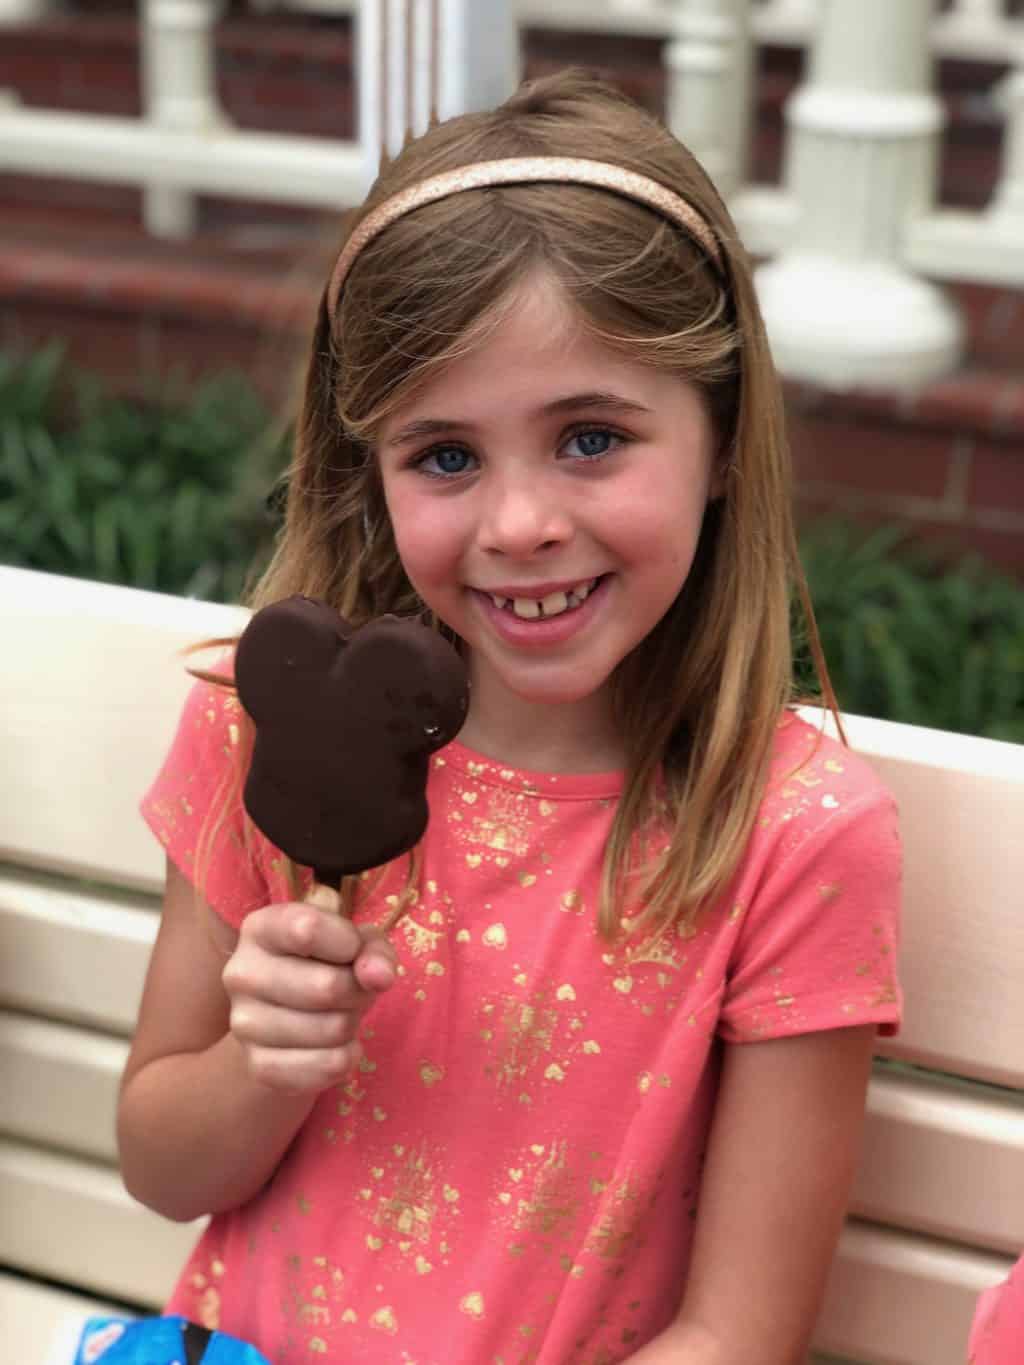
{"type": "Point", "coordinates": [554, 604]}
{"type": "Point", "coordinates": [527, 607]}
{"type": "Point", "coordinates": [582, 590]}
{"type": "Point", "coordinates": [498, 601]}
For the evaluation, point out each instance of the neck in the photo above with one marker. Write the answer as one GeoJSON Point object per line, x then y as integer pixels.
{"type": "Point", "coordinates": [560, 737]}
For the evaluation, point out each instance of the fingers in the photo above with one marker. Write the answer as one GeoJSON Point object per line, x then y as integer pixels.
{"type": "Point", "coordinates": [299, 983]}
{"type": "Point", "coordinates": [304, 931]}
{"type": "Point", "coordinates": [261, 1025]}
{"type": "Point", "coordinates": [292, 982]}
{"type": "Point", "coordinates": [299, 1070]}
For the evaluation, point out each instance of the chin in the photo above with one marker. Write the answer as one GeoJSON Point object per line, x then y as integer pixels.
{"type": "Point", "coordinates": [556, 692]}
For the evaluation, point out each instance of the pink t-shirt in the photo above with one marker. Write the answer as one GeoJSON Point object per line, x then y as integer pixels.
{"type": "Point", "coordinates": [513, 1174]}
{"type": "Point", "coordinates": [997, 1334]}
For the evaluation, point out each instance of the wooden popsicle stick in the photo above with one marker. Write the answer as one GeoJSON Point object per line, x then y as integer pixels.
{"type": "Point", "coordinates": [325, 898]}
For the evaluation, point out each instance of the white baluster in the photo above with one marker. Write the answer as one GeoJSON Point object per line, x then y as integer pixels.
{"type": "Point", "coordinates": [1006, 216]}
{"type": "Point", "coordinates": [709, 61]}
{"type": "Point", "coordinates": [479, 54]}
{"type": "Point", "coordinates": [180, 94]}
{"type": "Point", "coordinates": [841, 308]}
{"type": "Point", "coordinates": [26, 11]}
{"type": "Point", "coordinates": [421, 59]}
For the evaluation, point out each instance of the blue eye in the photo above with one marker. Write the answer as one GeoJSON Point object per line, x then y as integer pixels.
{"type": "Point", "coordinates": [445, 462]}
{"type": "Point", "coordinates": [593, 444]}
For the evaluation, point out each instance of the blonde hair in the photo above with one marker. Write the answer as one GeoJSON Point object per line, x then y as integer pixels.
{"type": "Point", "coordinates": [699, 700]}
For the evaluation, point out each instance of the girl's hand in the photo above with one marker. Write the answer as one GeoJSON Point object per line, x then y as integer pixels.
{"type": "Point", "coordinates": [299, 982]}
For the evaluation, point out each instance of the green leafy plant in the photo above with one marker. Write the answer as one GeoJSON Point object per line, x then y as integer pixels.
{"type": "Point", "coordinates": [910, 638]}
{"type": "Point", "coordinates": [155, 494]}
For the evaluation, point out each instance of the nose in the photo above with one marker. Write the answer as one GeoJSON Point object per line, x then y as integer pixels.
{"type": "Point", "coordinates": [523, 514]}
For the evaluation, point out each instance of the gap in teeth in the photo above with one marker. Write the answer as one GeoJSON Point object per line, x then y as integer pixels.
{"type": "Point", "coordinates": [533, 609]}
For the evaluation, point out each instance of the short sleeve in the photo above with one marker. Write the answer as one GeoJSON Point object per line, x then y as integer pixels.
{"type": "Point", "coordinates": [818, 942]}
{"type": "Point", "coordinates": [194, 808]}
{"type": "Point", "coordinates": [998, 1327]}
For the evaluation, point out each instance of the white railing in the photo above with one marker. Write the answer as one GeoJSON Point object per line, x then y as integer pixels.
{"type": "Point", "coordinates": [855, 230]}
{"type": "Point", "coordinates": [414, 57]}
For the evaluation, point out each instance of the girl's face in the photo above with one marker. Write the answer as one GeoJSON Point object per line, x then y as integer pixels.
{"type": "Point", "coordinates": [546, 496]}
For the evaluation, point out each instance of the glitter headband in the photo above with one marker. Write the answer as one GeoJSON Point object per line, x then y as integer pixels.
{"type": "Point", "coordinates": [519, 171]}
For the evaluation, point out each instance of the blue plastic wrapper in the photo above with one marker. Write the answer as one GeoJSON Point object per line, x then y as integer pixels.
{"type": "Point", "coordinates": [159, 1341]}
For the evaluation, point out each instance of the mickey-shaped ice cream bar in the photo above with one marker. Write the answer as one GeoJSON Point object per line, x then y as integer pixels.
{"type": "Point", "coordinates": [346, 720]}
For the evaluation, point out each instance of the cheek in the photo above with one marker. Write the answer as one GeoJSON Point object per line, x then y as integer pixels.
{"type": "Point", "coordinates": [665, 529]}
{"type": "Point", "coordinates": [427, 540]}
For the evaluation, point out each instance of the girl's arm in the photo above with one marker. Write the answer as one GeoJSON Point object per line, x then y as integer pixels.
{"type": "Point", "coordinates": [782, 1155]}
{"type": "Point", "coordinates": [237, 1035]}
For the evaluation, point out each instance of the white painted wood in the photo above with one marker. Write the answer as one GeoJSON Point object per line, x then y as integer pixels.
{"type": "Point", "coordinates": [68, 1220]}
{"type": "Point", "coordinates": [972, 28]}
{"type": "Point", "coordinates": [986, 247]}
{"type": "Point", "coordinates": [961, 802]}
{"type": "Point", "coordinates": [74, 954]}
{"type": "Point", "coordinates": [179, 92]}
{"type": "Point", "coordinates": [88, 702]}
{"type": "Point", "coordinates": [271, 166]}
{"type": "Point", "coordinates": [781, 22]}
{"type": "Point", "coordinates": [41, 1324]}
{"type": "Point", "coordinates": [1006, 217]}
{"type": "Point", "coordinates": [957, 245]}
{"type": "Point", "coordinates": [709, 60]}
{"type": "Point", "coordinates": [861, 157]}
{"type": "Point", "coordinates": [979, 11]}
{"type": "Point", "coordinates": [479, 59]}
{"type": "Point", "coordinates": [944, 1160]}
{"type": "Point", "coordinates": [940, 1164]}
{"type": "Point", "coordinates": [795, 18]}
{"type": "Point", "coordinates": [420, 59]}
{"type": "Point", "coordinates": [899, 1300]}
{"type": "Point", "coordinates": [26, 11]}
{"type": "Point", "coordinates": [936, 1160]}
{"type": "Point", "coordinates": [892, 1299]}
{"type": "Point", "coordinates": [58, 1085]}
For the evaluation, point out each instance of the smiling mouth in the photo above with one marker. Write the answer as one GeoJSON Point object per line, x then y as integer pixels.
{"type": "Point", "coordinates": [543, 608]}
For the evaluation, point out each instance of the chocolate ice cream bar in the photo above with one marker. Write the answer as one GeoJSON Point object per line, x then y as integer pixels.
{"type": "Point", "coordinates": [346, 720]}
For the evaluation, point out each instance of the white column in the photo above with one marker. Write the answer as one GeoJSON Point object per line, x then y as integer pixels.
{"type": "Point", "coordinates": [424, 59]}
{"type": "Point", "coordinates": [180, 93]}
{"type": "Point", "coordinates": [480, 59]}
{"type": "Point", "coordinates": [710, 62]}
{"type": "Point", "coordinates": [842, 309]}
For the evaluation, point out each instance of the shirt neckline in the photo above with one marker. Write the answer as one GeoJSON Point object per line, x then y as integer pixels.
{"type": "Point", "coordinates": [552, 786]}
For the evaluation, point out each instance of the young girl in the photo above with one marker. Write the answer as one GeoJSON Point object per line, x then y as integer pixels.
{"type": "Point", "coordinates": [582, 1081]}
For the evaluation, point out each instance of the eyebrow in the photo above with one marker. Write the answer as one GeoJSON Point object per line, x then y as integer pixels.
{"type": "Point", "coordinates": [433, 426]}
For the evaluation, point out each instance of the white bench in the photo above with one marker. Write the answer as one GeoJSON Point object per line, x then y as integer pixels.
{"type": "Point", "coordinates": [91, 685]}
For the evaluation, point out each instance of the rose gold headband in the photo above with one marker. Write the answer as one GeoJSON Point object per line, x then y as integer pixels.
{"type": "Point", "coordinates": [518, 171]}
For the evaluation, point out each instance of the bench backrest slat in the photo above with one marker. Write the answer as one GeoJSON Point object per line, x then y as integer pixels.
{"type": "Point", "coordinates": [92, 682]}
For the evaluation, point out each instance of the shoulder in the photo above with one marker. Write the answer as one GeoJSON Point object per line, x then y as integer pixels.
{"type": "Point", "coordinates": [804, 754]}
{"type": "Point", "coordinates": [821, 796]}
{"type": "Point", "coordinates": [810, 771]}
